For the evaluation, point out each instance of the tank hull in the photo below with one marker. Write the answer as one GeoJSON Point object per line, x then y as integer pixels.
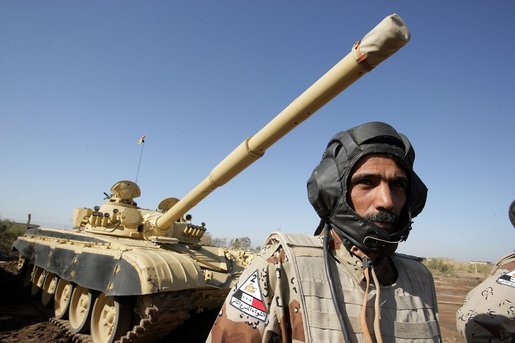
{"type": "Point", "coordinates": [128, 267]}
{"type": "Point", "coordinates": [158, 283]}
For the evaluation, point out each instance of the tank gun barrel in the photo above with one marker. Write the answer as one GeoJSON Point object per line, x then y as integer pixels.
{"type": "Point", "coordinates": [379, 44]}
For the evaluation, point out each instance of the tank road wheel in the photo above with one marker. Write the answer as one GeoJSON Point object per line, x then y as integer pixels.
{"type": "Point", "coordinates": [80, 309]}
{"type": "Point", "coordinates": [111, 318]}
{"type": "Point", "coordinates": [62, 297]}
{"type": "Point", "coordinates": [48, 289]}
{"type": "Point", "coordinates": [38, 277]}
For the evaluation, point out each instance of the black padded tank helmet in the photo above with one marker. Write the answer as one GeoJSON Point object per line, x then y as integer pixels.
{"type": "Point", "coordinates": [328, 185]}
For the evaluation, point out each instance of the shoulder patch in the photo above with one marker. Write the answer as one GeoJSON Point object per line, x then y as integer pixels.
{"type": "Point", "coordinates": [248, 298]}
{"type": "Point", "coordinates": [507, 279]}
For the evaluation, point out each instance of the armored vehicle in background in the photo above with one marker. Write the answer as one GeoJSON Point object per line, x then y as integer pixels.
{"type": "Point", "coordinates": [111, 276]}
{"type": "Point", "coordinates": [129, 274]}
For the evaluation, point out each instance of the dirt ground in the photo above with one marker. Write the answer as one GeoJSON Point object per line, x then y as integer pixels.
{"type": "Point", "coordinates": [25, 320]}
{"type": "Point", "coordinates": [450, 292]}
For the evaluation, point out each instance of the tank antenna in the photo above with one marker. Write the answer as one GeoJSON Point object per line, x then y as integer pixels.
{"type": "Point", "coordinates": [141, 142]}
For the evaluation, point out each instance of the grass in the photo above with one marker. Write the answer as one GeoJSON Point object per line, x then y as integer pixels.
{"type": "Point", "coordinates": [448, 267]}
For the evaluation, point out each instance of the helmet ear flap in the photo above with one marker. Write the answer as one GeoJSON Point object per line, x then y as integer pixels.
{"type": "Point", "coordinates": [419, 190]}
{"type": "Point", "coordinates": [324, 185]}
{"type": "Point", "coordinates": [418, 195]}
{"type": "Point", "coordinates": [511, 213]}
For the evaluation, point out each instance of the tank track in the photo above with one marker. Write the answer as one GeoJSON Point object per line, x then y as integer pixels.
{"type": "Point", "coordinates": [166, 312]}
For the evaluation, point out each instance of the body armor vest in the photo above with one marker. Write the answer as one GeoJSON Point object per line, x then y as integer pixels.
{"type": "Point", "coordinates": [408, 307]}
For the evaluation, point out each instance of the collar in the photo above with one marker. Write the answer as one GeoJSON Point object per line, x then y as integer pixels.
{"type": "Point", "coordinates": [384, 266]}
{"type": "Point", "coordinates": [350, 261]}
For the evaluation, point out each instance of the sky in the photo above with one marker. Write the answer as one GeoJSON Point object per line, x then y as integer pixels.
{"type": "Point", "coordinates": [81, 82]}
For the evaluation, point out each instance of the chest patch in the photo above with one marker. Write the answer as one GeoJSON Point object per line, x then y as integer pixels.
{"type": "Point", "coordinates": [249, 299]}
{"type": "Point", "coordinates": [507, 279]}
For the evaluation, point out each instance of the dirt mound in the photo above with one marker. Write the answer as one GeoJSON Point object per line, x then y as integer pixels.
{"type": "Point", "coordinates": [21, 319]}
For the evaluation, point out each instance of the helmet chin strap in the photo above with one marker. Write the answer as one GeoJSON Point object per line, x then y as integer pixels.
{"type": "Point", "coordinates": [368, 271]}
{"type": "Point", "coordinates": [369, 244]}
{"type": "Point", "coordinates": [381, 241]}
{"type": "Point", "coordinates": [370, 238]}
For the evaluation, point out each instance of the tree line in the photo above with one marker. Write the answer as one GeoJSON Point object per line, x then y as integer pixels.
{"type": "Point", "coordinates": [243, 243]}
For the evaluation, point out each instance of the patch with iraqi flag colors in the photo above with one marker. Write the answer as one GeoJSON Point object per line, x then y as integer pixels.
{"type": "Point", "coordinates": [249, 299]}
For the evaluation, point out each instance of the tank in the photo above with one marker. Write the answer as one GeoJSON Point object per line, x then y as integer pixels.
{"type": "Point", "coordinates": [128, 274]}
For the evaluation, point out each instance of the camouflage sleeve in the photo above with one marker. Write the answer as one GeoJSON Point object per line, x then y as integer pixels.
{"type": "Point", "coordinates": [257, 307]}
{"type": "Point", "coordinates": [488, 313]}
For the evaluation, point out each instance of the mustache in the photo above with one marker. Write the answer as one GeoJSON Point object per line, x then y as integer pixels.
{"type": "Point", "coordinates": [383, 217]}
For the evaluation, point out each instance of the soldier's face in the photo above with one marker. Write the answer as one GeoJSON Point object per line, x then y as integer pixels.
{"type": "Point", "coordinates": [377, 190]}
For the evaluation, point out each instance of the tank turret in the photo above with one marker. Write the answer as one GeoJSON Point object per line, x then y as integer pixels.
{"type": "Point", "coordinates": [120, 216]}
{"type": "Point", "coordinates": [129, 274]}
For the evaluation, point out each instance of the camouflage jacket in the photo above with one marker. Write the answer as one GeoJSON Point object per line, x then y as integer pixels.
{"type": "Point", "coordinates": [488, 314]}
{"type": "Point", "coordinates": [268, 302]}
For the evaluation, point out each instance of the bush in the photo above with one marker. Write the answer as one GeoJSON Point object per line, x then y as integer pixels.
{"type": "Point", "coordinates": [9, 231]}
{"type": "Point", "coordinates": [439, 266]}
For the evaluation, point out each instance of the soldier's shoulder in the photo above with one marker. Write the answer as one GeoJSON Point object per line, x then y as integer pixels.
{"type": "Point", "coordinates": [506, 262]}
{"type": "Point", "coordinates": [409, 257]}
{"type": "Point", "coordinates": [412, 264]}
{"type": "Point", "coordinates": [505, 265]}
{"type": "Point", "coordinates": [282, 248]}
{"type": "Point", "coordinates": [293, 239]}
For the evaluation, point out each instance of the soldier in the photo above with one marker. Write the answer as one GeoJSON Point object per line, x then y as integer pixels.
{"type": "Point", "coordinates": [488, 314]}
{"type": "Point", "coordinates": [345, 284]}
